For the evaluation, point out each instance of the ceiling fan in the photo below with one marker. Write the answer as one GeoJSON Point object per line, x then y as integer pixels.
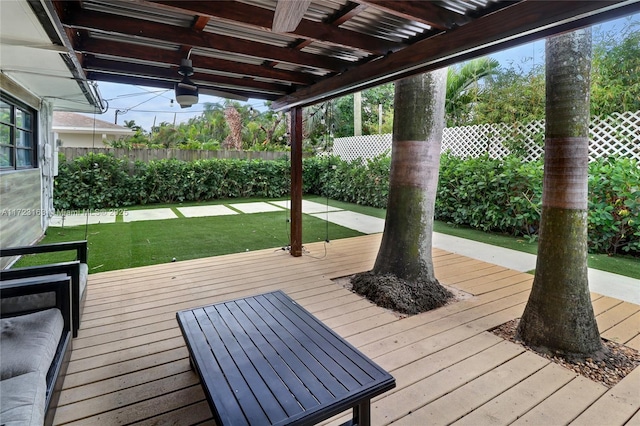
{"type": "Point", "coordinates": [288, 15]}
{"type": "Point", "coordinates": [187, 91]}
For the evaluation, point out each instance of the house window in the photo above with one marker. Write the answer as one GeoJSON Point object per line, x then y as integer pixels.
{"type": "Point", "coordinates": [17, 135]}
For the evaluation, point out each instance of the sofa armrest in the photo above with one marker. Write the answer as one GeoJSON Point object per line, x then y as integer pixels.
{"type": "Point", "coordinates": [60, 284]}
{"type": "Point", "coordinates": [79, 246]}
{"type": "Point", "coordinates": [72, 269]}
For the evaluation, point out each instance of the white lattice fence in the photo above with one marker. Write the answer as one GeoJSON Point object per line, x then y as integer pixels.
{"type": "Point", "coordinates": [363, 147]}
{"type": "Point", "coordinates": [618, 134]}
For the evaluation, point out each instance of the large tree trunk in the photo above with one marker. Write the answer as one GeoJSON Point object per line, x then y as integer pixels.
{"type": "Point", "coordinates": [559, 315]}
{"type": "Point", "coordinates": [415, 164]}
{"type": "Point", "coordinates": [403, 271]}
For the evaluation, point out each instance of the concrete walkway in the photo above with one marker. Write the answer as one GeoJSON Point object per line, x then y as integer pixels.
{"type": "Point", "coordinates": [605, 283]}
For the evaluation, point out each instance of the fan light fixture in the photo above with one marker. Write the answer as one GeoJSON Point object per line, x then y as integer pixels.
{"type": "Point", "coordinates": [186, 90]}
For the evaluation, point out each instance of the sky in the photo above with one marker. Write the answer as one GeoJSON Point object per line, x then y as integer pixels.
{"type": "Point", "coordinates": [148, 106]}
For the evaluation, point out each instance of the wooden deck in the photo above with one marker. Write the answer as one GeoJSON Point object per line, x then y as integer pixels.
{"type": "Point", "coordinates": [130, 364]}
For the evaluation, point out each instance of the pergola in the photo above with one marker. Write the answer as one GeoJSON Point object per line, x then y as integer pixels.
{"type": "Point", "coordinates": [296, 53]}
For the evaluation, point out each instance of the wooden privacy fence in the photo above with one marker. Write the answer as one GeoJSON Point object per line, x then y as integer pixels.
{"type": "Point", "coordinates": [146, 155]}
{"type": "Point", "coordinates": [614, 135]}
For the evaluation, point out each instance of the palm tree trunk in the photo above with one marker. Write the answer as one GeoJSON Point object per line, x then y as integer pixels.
{"type": "Point", "coordinates": [559, 315]}
{"type": "Point", "coordinates": [415, 160]}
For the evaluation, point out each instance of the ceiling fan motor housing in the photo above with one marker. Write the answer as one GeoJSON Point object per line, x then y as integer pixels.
{"type": "Point", "coordinates": [186, 90]}
{"type": "Point", "coordinates": [186, 67]}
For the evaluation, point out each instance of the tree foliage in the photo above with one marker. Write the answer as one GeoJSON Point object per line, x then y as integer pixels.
{"type": "Point", "coordinates": [615, 76]}
{"type": "Point", "coordinates": [464, 88]}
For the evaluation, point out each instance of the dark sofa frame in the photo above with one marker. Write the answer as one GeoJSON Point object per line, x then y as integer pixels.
{"type": "Point", "coordinates": [72, 269]}
{"type": "Point", "coordinates": [60, 284]}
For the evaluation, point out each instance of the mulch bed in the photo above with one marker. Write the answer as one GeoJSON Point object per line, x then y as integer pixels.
{"type": "Point", "coordinates": [619, 362]}
{"type": "Point", "coordinates": [405, 297]}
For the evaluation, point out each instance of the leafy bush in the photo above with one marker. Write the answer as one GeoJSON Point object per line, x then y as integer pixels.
{"type": "Point", "coordinates": [366, 184]}
{"type": "Point", "coordinates": [488, 194]}
{"type": "Point", "coordinates": [614, 206]}
{"type": "Point", "coordinates": [99, 181]}
{"type": "Point", "coordinates": [93, 181]}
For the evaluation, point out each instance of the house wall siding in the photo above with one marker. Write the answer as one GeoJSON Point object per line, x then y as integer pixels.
{"type": "Point", "coordinates": [26, 196]}
{"type": "Point", "coordinates": [83, 140]}
{"type": "Point", "coordinates": [21, 211]}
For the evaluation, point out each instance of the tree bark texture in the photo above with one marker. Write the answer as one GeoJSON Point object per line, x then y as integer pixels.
{"type": "Point", "coordinates": [406, 245]}
{"type": "Point", "coordinates": [559, 315]}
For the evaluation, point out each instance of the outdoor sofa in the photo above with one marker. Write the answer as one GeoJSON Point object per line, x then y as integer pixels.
{"type": "Point", "coordinates": [35, 346]}
{"type": "Point", "coordinates": [77, 270]}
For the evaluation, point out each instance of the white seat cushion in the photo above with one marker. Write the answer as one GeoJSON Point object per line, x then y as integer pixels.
{"type": "Point", "coordinates": [22, 400]}
{"type": "Point", "coordinates": [28, 343]}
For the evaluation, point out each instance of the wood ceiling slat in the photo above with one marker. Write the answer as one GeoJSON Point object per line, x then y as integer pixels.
{"type": "Point", "coordinates": [169, 57]}
{"type": "Point", "coordinates": [350, 10]}
{"type": "Point", "coordinates": [323, 74]}
{"type": "Point", "coordinates": [169, 85]}
{"type": "Point", "coordinates": [519, 23]}
{"type": "Point", "coordinates": [171, 74]}
{"type": "Point", "coordinates": [425, 12]}
{"type": "Point", "coordinates": [111, 23]}
{"type": "Point", "coordinates": [262, 18]}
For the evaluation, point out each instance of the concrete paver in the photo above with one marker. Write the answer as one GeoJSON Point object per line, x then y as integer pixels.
{"type": "Point", "coordinates": [203, 211]}
{"type": "Point", "coordinates": [308, 207]}
{"type": "Point", "coordinates": [357, 221]}
{"type": "Point", "coordinates": [258, 207]}
{"type": "Point", "coordinates": [148, 214]}
{"type": "Point", "coordinates": [82, 219]}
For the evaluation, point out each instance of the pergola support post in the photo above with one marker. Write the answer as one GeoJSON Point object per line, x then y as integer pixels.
{"type": "Point", "coordinates": [296, 182]}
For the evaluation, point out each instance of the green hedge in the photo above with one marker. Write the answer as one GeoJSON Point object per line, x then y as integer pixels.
{"type": "Point", "coordinates": [101, 181]}
{"type": "Point", "coordinates": [501, 196]}
{"type": "Point", "coordinates": [488, 194]}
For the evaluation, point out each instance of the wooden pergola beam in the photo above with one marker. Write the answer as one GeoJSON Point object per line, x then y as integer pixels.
{"type": "Point", "coordinates": [296, 182]}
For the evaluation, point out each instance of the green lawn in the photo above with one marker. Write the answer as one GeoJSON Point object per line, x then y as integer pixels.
{"type": "Point", "coordinates": [124, 245]}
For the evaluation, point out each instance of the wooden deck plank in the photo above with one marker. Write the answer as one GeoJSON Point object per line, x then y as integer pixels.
{"type": "Point", "coordinates": [407, 399]}
{"type": "Point", "coordinates": [616, 315]}
{"type": "Point", "coordinates": [605, 303]}
{"type": "Point", "coordinates": [130, 365]}
{"type": "Point", "coordinates": [508, 406]}
{"type": "Point", "coordinates": [616, 406]}
{"type": "Point", "coordinates": [624, 331]}
{"type": "Point", "coordinates": [477, 290]}
{"type": "Point", "coordinates": [465, 399]}
{"type": "Point", "coordinates": [634, 343]}
{"type": "Point", "coordinates": [565, 404]}
{"type": "Point", "coordinates": [198, 413]}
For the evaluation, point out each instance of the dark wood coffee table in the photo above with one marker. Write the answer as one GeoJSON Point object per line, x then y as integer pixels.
{"type": "Point", "coordinates": [265, 360]}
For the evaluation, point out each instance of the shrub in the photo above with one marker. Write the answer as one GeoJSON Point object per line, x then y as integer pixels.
{"type": "Point", "coordinates": [94, 181]}
{"type": "Point", "coordinates": [483, 193]}
{"type": "Point", "coordinates": [99, 181]}
{"type": "Point", "coordinates": [490, 194]}
{"type": "Point", "coordinates": [614, 206]}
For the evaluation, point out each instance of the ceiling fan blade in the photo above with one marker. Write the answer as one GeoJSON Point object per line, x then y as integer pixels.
{"type": "Point", "coordinates": [288, 15]}
{"type": "Point", "coordinates": [184, 85]}
{"type": "Point", "coordinates": [222, 94]}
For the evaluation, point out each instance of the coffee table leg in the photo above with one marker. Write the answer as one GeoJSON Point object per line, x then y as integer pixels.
{"type": "Point", "coordinates": [362, 413]}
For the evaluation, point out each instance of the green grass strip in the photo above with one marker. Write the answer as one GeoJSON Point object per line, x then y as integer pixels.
{"type": "Point", "coordinates": [125, 245]}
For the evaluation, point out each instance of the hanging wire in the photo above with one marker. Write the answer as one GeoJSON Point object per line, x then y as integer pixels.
{"type": "Point", "coordinates": [91, 179]}
{"type": "Point", "coordinates": [328, 125]}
